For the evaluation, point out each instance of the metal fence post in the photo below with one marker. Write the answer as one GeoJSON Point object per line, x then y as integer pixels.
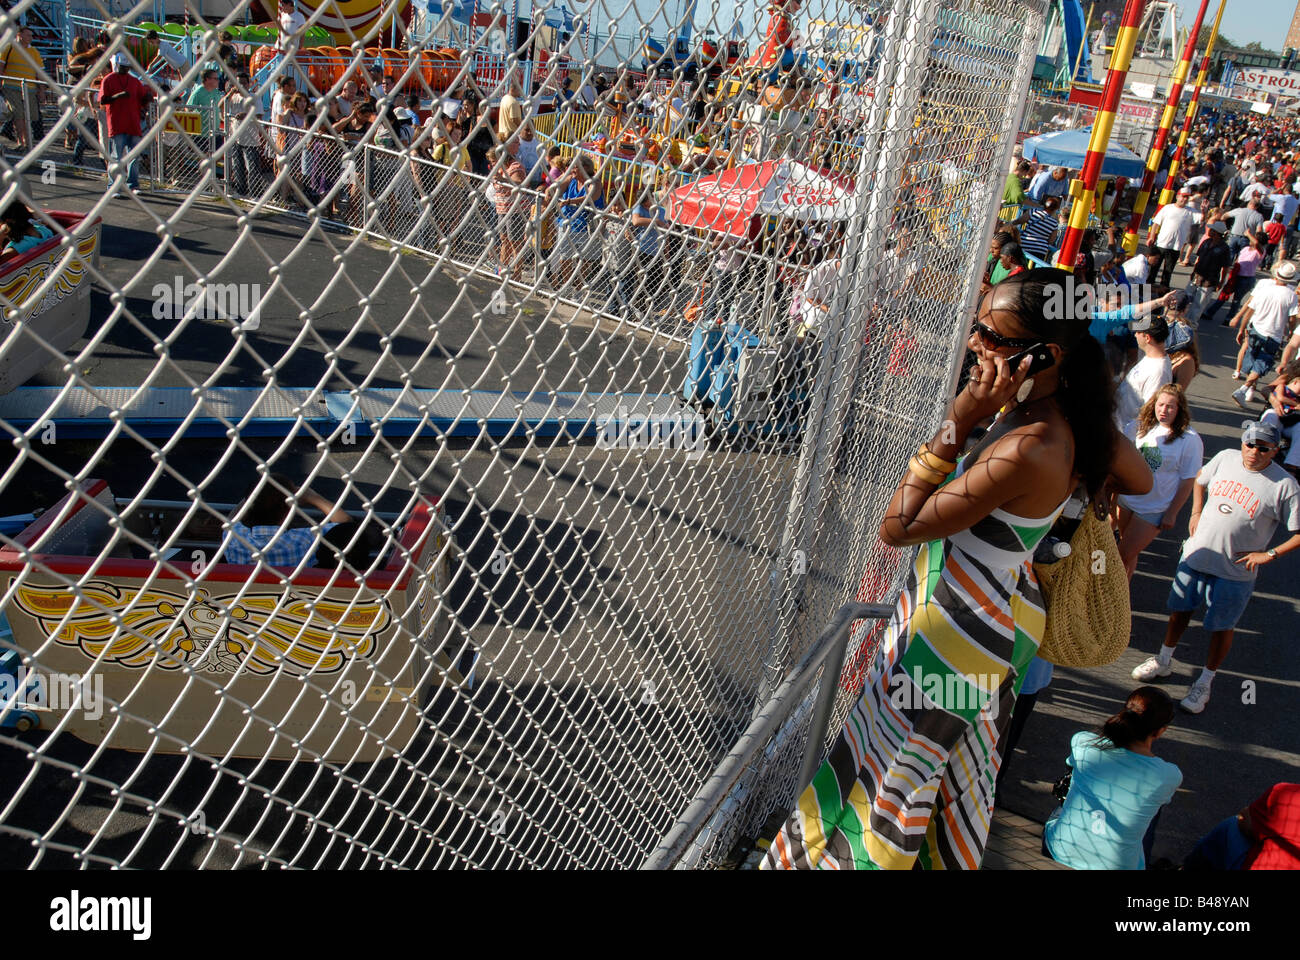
{"type": "Point", "coordinates": [908, 36]}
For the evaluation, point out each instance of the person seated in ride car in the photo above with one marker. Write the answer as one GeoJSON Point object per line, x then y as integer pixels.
{"type": "Point", "coordinates": [272, 527]}
{"type": "Point", "coordinates": [19, 231]}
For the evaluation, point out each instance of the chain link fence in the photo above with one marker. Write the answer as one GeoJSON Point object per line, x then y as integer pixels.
{"type": "Point", "coordinates": [459, 478]}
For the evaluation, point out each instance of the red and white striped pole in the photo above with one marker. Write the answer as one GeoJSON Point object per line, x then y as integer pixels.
{"type": "Point", "coordinates": [1084, 190]}
{"type": "Point", "coordinates": [1162, 133]}
{"type": "Point", "coordinates": [1167, 193]}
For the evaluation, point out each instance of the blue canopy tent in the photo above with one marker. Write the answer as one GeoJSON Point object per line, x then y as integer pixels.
{"type": "Point", "coordinates": [1067, 148]}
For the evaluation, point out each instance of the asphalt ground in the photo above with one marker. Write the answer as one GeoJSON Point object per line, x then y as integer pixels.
{"type": "Point", "coordinates": [590, 536]}
{"type": "Point", "coordinates": [1248, 737]}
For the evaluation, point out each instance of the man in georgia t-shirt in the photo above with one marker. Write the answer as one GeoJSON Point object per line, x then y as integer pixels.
{"type": "Point", "coordinates": [1240, 498]}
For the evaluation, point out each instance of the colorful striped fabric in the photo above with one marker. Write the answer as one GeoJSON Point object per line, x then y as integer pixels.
{"type": "Point", "coordinates": [910, 782]}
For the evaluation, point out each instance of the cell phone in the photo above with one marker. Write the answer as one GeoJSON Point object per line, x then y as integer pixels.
{"type": "Point", "coordinates": [1042, 359]}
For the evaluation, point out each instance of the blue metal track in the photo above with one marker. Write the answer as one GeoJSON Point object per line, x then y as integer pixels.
{"type": "Point", "coordinates": [165, 412]}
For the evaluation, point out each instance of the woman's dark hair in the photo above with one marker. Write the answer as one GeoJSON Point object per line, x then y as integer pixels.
{"type": "Point", "coordinates": [17, 214]}
{"type": "Point", "coordinates": [1146, 710]}
{"type": "Point", "coordinates": [1044, 303]}
{"type": "Point", "coordinates": [268, 507]}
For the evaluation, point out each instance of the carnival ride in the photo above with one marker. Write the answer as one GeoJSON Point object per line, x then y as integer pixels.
{"type": "Point", "coordinates": [187, 652]}
{"type": "Point", "coordinates": [50, 293]}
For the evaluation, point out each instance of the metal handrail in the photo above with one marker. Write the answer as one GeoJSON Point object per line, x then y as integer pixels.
{"type": "Point", "coordinates": [828, 650]}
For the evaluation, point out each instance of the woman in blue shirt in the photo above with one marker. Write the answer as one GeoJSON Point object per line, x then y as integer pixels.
{"type": "Point", "coordinates": [19, 232]}
{"type": "Point", "coordinates": [579, 193]}
{"type": "Point", "coordinates": [1117, 789]}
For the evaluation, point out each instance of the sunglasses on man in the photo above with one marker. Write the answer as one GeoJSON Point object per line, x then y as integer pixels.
{"type": "Point", "coordinates": [1261, 447]}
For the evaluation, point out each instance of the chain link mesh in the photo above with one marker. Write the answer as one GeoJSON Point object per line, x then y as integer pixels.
{"type": "Point", "coordinates": [449, 486]}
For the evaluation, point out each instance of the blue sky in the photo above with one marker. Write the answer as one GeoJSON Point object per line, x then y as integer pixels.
{"type": "Point", "coordinates": [1263, 21]}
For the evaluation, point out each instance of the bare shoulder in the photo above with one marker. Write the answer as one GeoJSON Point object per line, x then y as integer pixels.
{"type": "Point", "coordinates": [1040, 444]}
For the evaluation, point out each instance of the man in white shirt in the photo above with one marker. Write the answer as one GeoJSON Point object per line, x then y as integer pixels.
{"type": "Point", "coordinates": [1265, 323]}
{"type": "Point", "coordinates": [1147, 376]}
{"type": "Point", "coordinates": [1259, 190]}
{"type": "Point", "coordinates": [1170, 229]}
{"type": "Point", "coordinates": [292, 24]}
{"type": "Point", "coordinates": [1138, 269]}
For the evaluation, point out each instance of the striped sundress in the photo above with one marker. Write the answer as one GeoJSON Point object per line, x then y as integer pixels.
{"type": "Point", "coordinates": [910, 782]}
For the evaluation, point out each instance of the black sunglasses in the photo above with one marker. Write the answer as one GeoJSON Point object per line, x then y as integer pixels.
{"type": "Point", "coordinates": [995, 339]}
{"type": "Point", "coordinates": [1261, 447]}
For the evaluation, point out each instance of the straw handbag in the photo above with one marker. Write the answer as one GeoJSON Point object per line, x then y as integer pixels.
{"type": "Point", "coordinates": [1086, 596]}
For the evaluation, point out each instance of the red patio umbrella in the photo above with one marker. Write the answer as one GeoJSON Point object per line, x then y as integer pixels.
{"type": "Point", "coordinates": [735, 201]}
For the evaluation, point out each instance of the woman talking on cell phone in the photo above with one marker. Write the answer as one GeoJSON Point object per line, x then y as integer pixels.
{"type": "Point", "coordinates": [910, 781]}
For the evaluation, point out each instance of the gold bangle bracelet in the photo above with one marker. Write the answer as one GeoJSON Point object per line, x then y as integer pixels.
{"type": "Point", "coordinates": [934, 461]}
{"type": "Point", "coordinates": [920, 470]}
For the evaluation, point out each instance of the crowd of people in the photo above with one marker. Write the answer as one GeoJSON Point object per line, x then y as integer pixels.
{"type": "Point", "coordinates": [1105, 421]}
{"type": "Point", "coordinates": [1104, 424]}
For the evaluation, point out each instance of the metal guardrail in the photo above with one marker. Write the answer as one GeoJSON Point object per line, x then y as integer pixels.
{"type": "Point", "coordinates": [827, 656]}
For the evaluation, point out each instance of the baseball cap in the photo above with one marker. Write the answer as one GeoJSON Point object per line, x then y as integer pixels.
{"type": "Point", "coordinates": [1151, 324]}
{"type": "Point", "coordinates": [120, 60]}
{"type": "Point", "coordinates": [1255, 431]}
{"type": "Point", "coordinates": [1286, 272]}
{"type": "Point", "coordinates": [1218, 226]}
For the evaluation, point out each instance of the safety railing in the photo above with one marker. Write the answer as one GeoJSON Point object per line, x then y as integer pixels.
{"type": "Point", "coordinates": [813, 681]}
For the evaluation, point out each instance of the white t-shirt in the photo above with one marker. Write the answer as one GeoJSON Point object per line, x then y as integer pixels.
{"type": "Point", "coordinates": [1171, 463]}
{"type": "Point", "coordinates": [1147, 376]}
{"type": "Point", "coordinates": [1175, 224]}
{"type": "Point", "coordinates": [1273, 305]}
{"type": "Point", "coordinates": [1138, 268]}
{"type": "Point", "coordinates": [291, 27]}
{"type": "Point", "coordinates": [248, 134]}
{"type": "Point", "coordinates": [821, 285]}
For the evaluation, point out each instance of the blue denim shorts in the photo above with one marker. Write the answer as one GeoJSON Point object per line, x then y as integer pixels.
{"type": "Point", "coordinates": [1261, 353]}
{"type": "Point", "coordinates": [1224, 600]}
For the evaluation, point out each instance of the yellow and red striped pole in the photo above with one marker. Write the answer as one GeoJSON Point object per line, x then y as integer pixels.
{"type": "Point", "coordinates": [1162, 133]}
{"type": "Point", "coordinates": [1084, 190]}
{"type": "Point", "coordinates": [1167, 193]}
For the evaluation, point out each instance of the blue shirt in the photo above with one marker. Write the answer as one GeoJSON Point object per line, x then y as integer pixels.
{"type": "Point", "coordinates": [1104, 321]}
{"type": "Point", "coordinates": [289, 549]}
{"type": "Point", "coordinates": [23, 244]}
{"type": "Point", "coordinates": [1285, 204]}
{"type": "Point", "coordinates": [1044, 186]}
{"type": "Point", "coordinates": [1114, 795]}
{"type": "Point", "coordinates": [648, 239]}
{"type": "Point", "coordinates": [1036, 237]}
{"type": "Point", "coordinates": [574, 210]}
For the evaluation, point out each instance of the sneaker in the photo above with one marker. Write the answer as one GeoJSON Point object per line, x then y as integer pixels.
{"type": "Point", "coordinates": [1250, 395]}
{"type": "Point", "coordinates": [1196, 698]}
{"type": "Point", "coordinates": [1151, 668]}
{"type": "Point", "coordinates": [1240, 396]}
